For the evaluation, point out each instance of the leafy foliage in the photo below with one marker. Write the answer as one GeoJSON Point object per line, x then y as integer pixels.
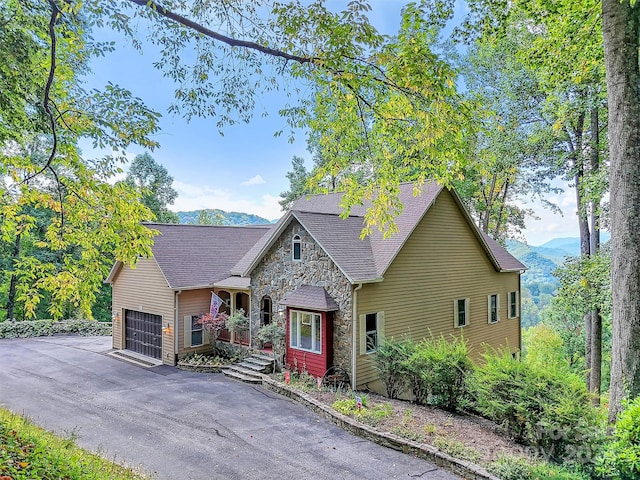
{"type": "Point", "coordinates": [438, 369]}
{"type": "Point", "coordinates": [89, 221]}
{"type": "Point", "coordinates": [621, 458]}
{"type": "Point", "coordinates": [238, 321]}
{"type": "Point", "coordinates": [540, 401]}
{"type": "Point", "coordinates": [213, 325]}
{"type": "Point", "coordinates": [516, 468]}
{"type": "Point", "coordinates": [270, 333]}
{"type": "Point", "coordinates": [390, 360]}
{"type": "Point", "coordinates": [153, 183]}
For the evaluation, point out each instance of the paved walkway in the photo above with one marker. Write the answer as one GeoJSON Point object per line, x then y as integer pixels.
{"type": "Point", "coordinates": [184, 425]}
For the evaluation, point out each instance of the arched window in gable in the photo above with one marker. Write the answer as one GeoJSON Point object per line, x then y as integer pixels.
{"type": "Point", "coordinates": [296, 248]}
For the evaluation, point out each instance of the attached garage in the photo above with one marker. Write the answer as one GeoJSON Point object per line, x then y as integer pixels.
{"type": "Point", "coordinates": [143, 333]}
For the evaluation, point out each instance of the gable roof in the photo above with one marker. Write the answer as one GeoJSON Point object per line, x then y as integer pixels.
{"type": "Point", "coordinates": [192, 256]}
{"type": "Point", "coordinates": [365, 260]}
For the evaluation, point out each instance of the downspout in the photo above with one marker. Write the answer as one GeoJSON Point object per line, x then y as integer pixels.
{"type": "Point", "coordinates": [520, 312]}
{"type": "Point", "coordinates": [175, 325]}
{"type": "Point", "coordinates": [354, 346]}
{"type": "Point", "coordinates": [250, 318]}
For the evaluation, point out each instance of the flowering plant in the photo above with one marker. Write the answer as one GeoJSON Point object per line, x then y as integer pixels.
{"type": "Point", "coordinates": [213, 325]}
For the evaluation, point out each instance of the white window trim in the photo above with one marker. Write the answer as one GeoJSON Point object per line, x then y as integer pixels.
{"type": "Point", "coordinates": [517, 293]}
{"type": "Point", "coordinates": [296, 239]}
{"type": "Point", "coordinates": [380, 327]}
{"type": "Point", "coordinates": [456, 312]}
{"type": "Point", "coordinates": [313, 331]}
{"type": "Point", "coordinates": [497, 295]}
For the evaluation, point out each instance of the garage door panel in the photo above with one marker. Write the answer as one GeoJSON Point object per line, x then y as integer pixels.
{"type": "Point", "coordinates": [143, 333]}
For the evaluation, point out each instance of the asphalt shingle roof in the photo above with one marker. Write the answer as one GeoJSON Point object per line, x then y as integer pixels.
{"type": "Point", "coordinates": [363, 260]}
{"type": "Point", "coordinates": [200, 255]}
{"type": "Point", "coordinates": [311, 298]}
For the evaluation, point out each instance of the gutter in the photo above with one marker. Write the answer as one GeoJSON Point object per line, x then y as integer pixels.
{"type": "Point", "coordinates": [354, 343]}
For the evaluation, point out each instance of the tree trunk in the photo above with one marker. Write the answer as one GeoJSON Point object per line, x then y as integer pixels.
{"type": "Point", "coordinates": [595, 374]}
{"type": "Point", "coordinates": [585, 240]}
{"type": "Point", "coordinates": [621, 33]}
{"type": "Point", "coordinates": [11, 294]}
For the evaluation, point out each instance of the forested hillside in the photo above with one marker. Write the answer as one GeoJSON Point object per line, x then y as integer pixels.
{"type": "Point", "coordinates": [538, 282]}
{"type": "Point", "coordinates": [215, 216]}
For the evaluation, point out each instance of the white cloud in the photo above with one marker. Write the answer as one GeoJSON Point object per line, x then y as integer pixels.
{"type": "Point", "coordinates": [196, 197]}
{"type": "Point", "coordinates": [550, 224]}
{"type": "Point", "coordinates": [255, 180]}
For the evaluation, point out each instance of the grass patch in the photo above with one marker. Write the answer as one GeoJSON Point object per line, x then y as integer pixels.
{"type": "Point", "coordinates": [29, 452]}
{"type": "Point", "coordinates": [457, 449]}
{"type": "Point", "coordinates": [370, 415]}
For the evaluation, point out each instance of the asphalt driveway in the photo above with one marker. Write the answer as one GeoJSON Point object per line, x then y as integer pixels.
{"type": "Point", "coordinates": [176, 424]}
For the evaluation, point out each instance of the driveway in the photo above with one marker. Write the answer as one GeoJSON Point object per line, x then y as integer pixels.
{"type": "Point", "coordinates": [176, 424]}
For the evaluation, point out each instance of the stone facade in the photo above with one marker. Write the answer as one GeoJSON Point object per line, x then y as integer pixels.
{"type": "Point", "coordinates": [278, 274]}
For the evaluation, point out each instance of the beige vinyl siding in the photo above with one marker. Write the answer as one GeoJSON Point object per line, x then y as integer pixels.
{"type": "Point", "coordinates": [144, 289]}
{"type": "Point", "coordinates": [442, 261]}
{"type": "Point", "coordinates": [192, 302]}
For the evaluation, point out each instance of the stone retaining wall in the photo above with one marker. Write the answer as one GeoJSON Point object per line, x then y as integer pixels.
{"type": "Point", "coordinates": [467, 470]}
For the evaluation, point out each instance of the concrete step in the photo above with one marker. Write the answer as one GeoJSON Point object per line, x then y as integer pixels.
{"type": "Point", "coordinates": [241, 377]}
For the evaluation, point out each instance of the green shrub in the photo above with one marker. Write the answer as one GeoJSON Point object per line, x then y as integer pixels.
{"type": "Point", "coordinates": [238, 322]}
{"type": "Point", "coordinates": [47, 328]}
{"type": "Point", "coordinates": [390, 360]}
{"type": "Point", "coordinates": [546, 406]}
{"type": "Point", "coordinates": [437, 370]}
{"type": "Point", "coordinates": [621, 459]}
{"type": "Point", "coordinates": [271, 332]}
{"type": "Point", "coordinates": [516, 468]}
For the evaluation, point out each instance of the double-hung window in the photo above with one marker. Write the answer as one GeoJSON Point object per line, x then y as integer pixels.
{"type": "Point", "coordinates": [305, 331]}
{"type": "Point", "coordinates": [460, 312]}
{"type": "Point", "coordinates": [514, 304]}
{"type": "Point", "coordinates": [493, 308]}
{"type": "Point", "coordinates": [197, 335]}
{"type": "Point", "coordinates": [371, 332]}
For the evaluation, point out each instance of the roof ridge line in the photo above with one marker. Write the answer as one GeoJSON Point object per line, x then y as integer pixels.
{"type": "Point", "coordinates": [324, 213]}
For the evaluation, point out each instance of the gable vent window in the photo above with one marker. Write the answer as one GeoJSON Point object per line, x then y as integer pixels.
{"type": "Point", "coordinates": [296, 247]}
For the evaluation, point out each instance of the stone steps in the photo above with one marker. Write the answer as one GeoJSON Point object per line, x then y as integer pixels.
{"type": "Point", "coordinates": [251, 369]}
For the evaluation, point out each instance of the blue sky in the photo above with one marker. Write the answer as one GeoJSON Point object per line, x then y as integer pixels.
{"type": "Point", "coordinates": [245, 170]}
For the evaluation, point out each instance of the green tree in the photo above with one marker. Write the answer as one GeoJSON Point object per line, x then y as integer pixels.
{"type": "Point", "coordinates": [209, 217]}
{"type": "Point", "coordinates": [514, 147]}
{"type": "Point", "coordinates": [298, 178]}
{"type": "Point", "coordinates": [88, 220]}
{"type": "Point", "coordinates": [154, 185]}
